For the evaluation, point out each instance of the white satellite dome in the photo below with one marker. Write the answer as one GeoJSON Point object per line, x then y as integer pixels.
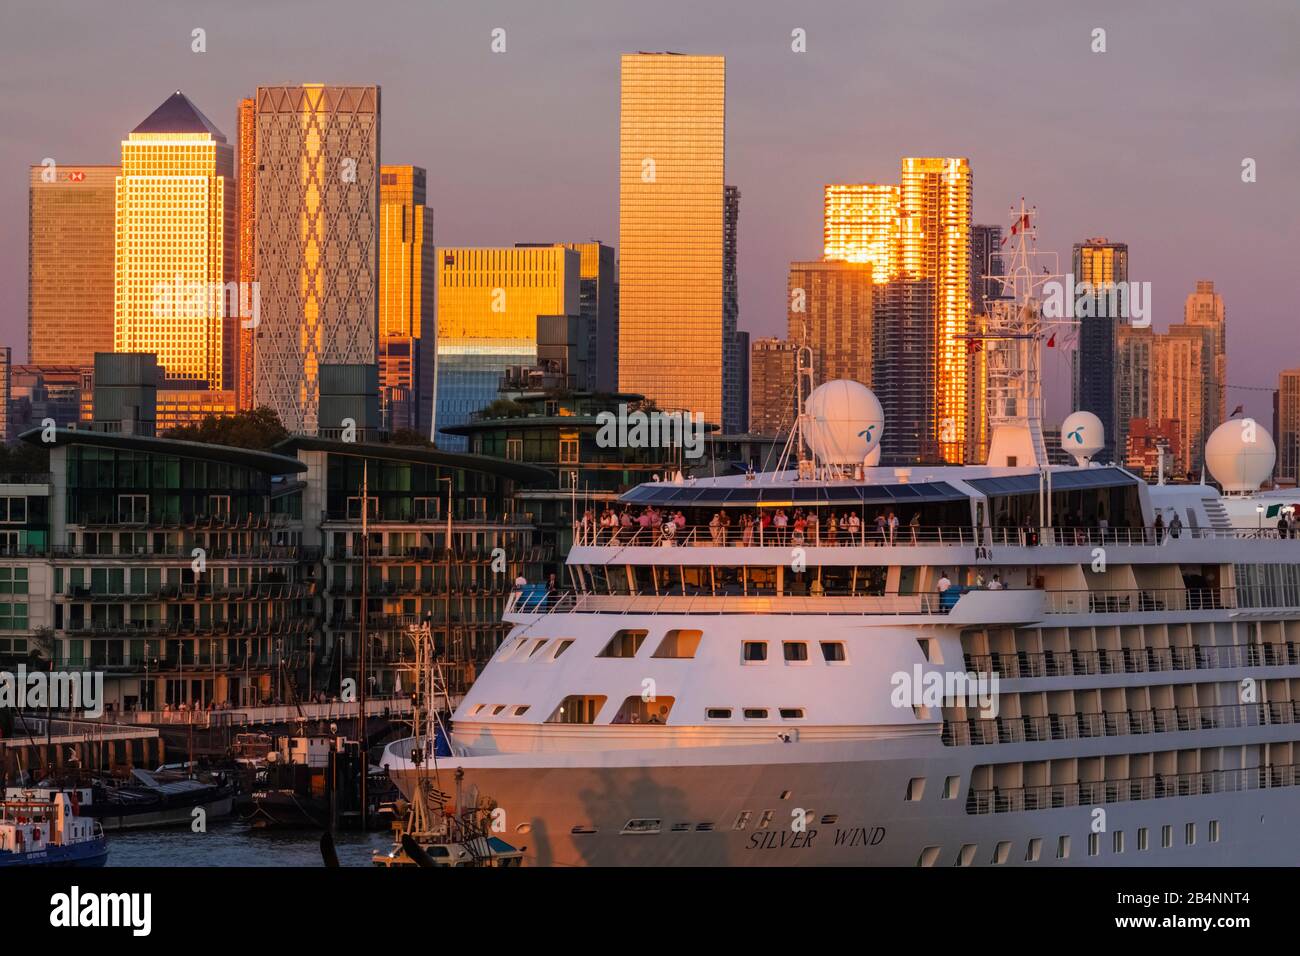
{"type": "Point", "coordinates": [1082, 435]}
{"type": "Point", "coordinates": [1240, 455]}
{"type": "Point", "coordinates": [845, 422]}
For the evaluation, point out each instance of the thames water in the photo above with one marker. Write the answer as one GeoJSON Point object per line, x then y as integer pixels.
{"type": "Point", "coordinates": [229, 843]}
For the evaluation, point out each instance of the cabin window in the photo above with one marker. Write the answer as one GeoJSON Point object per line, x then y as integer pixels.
{"type": "Point", "coordinates": [624, 643]}
{"type": "Point", "coordinates": [833, 652]}
{"type": "Point", "coordinates": [1189, 834]}
{"type": "Point", "coordinates": [929, 856]}
{"type": "Point", "coordinates": [792, 713]}
{"type": "Point", "coordinates": [756, 713]}
{"type": "Point", "coordinates": [742, 821]}
{"type": "Point", "coordinates": [966, 855]}
{"type": "Point", "coordinates": [915, 789]}
{"type": "Point", "coordinates": [951, 787]}
{"type": "Point", "coordinates": [1001, 852]}
{"type": "Point", "coordinates": [520, 710]}
{"type": "Point", "coordinates": [642, 827]}
{"type": "Point", "coordinates": [577, 709]}
{"type": "Point", "coordinates": [536, 647]}
{"type": "Point", "coordinates": [1142, 838]}
{"type": "Point", "coordinates": [678, 644]}
{"type": "Point", "coordinates": [636, 710]}
{"type": "Point", "coordinates": [1214, 831]}
{"type": "Point", "coordinates": [1063, 848]}
{"type": "Point", "coordinates": [754, 651]}
{"type": "Point", "coordinates": [795, 651]}
{"type": "Point", "coordinates": [498, 709]}
{"type": "Point", "coordinates": [718, 713]}
{"type": "Point", "coordinates": [561, 647]}
{"type": "Point", "coordinates": [1034, 851]}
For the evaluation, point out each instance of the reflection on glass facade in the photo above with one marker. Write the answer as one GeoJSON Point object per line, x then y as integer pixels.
{"type": "Point", "coordinates": [489, 301]}
{"type": "Point", "coordinates": [406, 276]}
{"type": "Point", "coordinates": [1103, 264]}
{"type": "Point", "coordinates": [70, 263]}
{"type": "Point", "coordinates": [860, 224]}
{"type": "Point", "coordinates": [246, 148]}
{"type": "Point", "coordinates": [175, 246]}
{"type": "Point", "coordinates": [671, 157]}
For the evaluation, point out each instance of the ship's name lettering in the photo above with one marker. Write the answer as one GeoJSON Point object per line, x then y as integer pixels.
{"type": "Point", "coordinates": [788, 840]}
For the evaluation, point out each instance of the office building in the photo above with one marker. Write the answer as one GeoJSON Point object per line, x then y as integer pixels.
{"type": "Point", "coordinates": [860, 223]}
{"type": "Point", "coordinates": [773, 368]}
{"type": "Point", "coordinates": [1133, 358]}
{"type": "Point", "coordinates": [317, 242]}
{"type": "Point", "coordinates": [732, 388]}
{"type": "Point", "coordinates": [1286, 429]}
{"type": "Point", "coordinates": [70, 250]}
{"type": "Point", "coordinates": [406, 277]}
{"type": "Point", "coordinates": [1204, 309]}
{"type": "Point", "coordinates": [1181, 373]}
{"type": "Point", "coordinates": [246, 183]}
{"type": "Point", "coordinates": [671, 223]}
{"type": "Point", "coordinates": [829, 309]}
{"type": "Point", "coordinates": [1103, 265]}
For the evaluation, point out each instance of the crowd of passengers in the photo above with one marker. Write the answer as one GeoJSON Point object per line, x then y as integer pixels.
{"type": "Point", "coordinates": [799, 526]}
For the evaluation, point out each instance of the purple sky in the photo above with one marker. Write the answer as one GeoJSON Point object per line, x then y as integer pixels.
{"type": "Point", "coordinates": [1142, 144]}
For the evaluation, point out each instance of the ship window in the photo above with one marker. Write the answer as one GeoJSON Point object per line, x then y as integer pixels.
{"type": "Point", "coordinates": [537, 647]}
{"type": "Point", "coordinates": [829, 819]}
{"type": "Point", "coordinates": [679, 643]}
{"type": "Point", "coordinates": [1034, 850]}
{"type": "Point", "coordinates": [580, 829]}
{"type": "Point", "coordinates": [1117, 841]}
{"type": "Point", "coordinates": [742, 821]}
{"type": "Point", "coordinates": [508, 648]}
{"type": "Point", "coordinates": [951, 787]}
{"type": "Point", "coordinates": [1142, 838]}
{"type": "Point", "coordinates": [703, 827]}
{"type": "Point", "coordinates": [1094, 844]}
{"type": "Point", "coordinates": [765, 820]}
{"type": "Point", "coordinates": [915, 788]}
{"type": "Point", "coordinates": [795, 650]}
{"type": "Point", "coordinates": [966, 855]}
{"type": "Point", "coordinates": [577, 709]}
{"type": "Point", "coordinates": [754, 651]}
{"type": "Point", "coordinates": [929, 856]}
{"type": "Point", "coordinates": [642, 826]}
{"type": "Point", "coordinates": [681, 828]}
{"type": "Point", "coordinates": [497, 709]}
{"type": "Point", "coordinates": [1214, 831]}
{"type": "Point", "coordinates": [625, 643]}
{"type": "Point", "coordinates": [521, 709]}
{"type": "Point", "coordinates": [1166, 836]}
{"type": "Point", "coordinates": [1063, 848]}
{"type": "Point", "coordinates": [561, 647]}
{"type": "Point", "coordinates": [832, 651]}
{"type": "Point", "coordinates": [636, 710]}
{"type": "Point", "coordinates": [1189, 834]}
{"type": "Point", "coordinates": [1002, 852]}
{"type": "Point", "coordinates": [476, 708]}
{"type": "Point", "coordinates": [756, 713]}
{"type": "Point", "coordinates": [718, 713]}
{"type": "Point", "coordinates": [792, 713]}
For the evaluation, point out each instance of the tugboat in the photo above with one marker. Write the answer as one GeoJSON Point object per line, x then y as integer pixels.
{"type": "Point", "coordinates": [37, 832]}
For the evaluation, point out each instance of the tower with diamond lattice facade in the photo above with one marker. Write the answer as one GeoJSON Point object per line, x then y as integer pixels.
{"type": "Point", "coordinates": [317, 242]}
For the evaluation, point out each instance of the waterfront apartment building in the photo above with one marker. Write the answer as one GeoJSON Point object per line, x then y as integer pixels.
{"type": "Point", "coordinates": [1181, 376]}
{"type": "Point", "coordinates": [406, 300]}
{"type": "Point", "coordinates": [1204, 309]}
{"type": "Point", "coordinates": [246, 184]}
{"type": "Point", "coordinates": [317, 241]}
{"type": "Point", "coordinates": [1103, 264]}
{"type": "Point", "coordinates": [671, 222]}
{"type": "Point", "coordinates": [903, 372]}
{"type": "Point", "coordinates": [773, 367]}
{"type": "Point", "coordinates": [1286, 429]}
{"type": "Point", "coordinates": [70, 250]}
{"type": "Point", "coordinates": [1147, 443]}
{"type": "Point", "coordinates": [493, 307]}
{"type": "Point", "coordinates": [1133, 360]}
{"type": "Point", "coordinates": [175, 247]}
{"type": "Point", "coordinates": [733, 385]}
{"type": "Point", "coordinates": [986, 267]}
{"type": "Point", "coordinates": [829, 309]}
{"type": "Point", "coordinates": [860, 223]}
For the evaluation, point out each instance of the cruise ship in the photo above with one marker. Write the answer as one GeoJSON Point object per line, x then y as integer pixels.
{"type": "Point", "coordinates": [998, 665]}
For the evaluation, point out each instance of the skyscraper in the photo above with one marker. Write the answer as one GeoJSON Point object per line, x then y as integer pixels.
{"type": "Point", "coordinates": [902, 373]}
{"type": "Point", "coordinates": [1204, 308]}
{"type": "Point", "coordinates": [246, 151]}
{"type": "Point", "coordinates": [671, 160]}
{"type": "Point", "coordinates": [1102, 264]}
{"type": "Point", "coordinates": [1133, 362]}
{"type": "Point", "coordinates": [1182, 360]}
{"type": "Point", "coordinates": [860, 223]}
{"type": "Point", "coordinates": [829, 309]}
{"type": "Point", "coordinates": [317, 242]}
{"type": "Point", "coordinates": [70, 249]}
{"type": "Point", "coordinates": [985, 264]}
{"type": "Point", "coordinates": [733, 389]}
{"type": "Point", "coordinates": [406, 277]}
{"type": "Point", "coordinates": [492, 306]}
{"type": "Point", "coordinates": [1288, 424]}
{"type": "Point", "coordinates": [598, 311]}
{"type": "Point", "coordinates": [175, 247]}
{"type": "Point", "coordinates": [934, 243]}
{"type": "Point", "coordinates": [772, 366]}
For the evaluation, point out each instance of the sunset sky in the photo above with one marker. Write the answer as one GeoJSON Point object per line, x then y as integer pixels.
{"type": "Point", "coordinates": [1142, 143]}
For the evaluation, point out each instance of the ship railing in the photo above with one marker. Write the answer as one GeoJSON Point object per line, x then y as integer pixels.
{"type": "Point", "coordinates": [1092, 793]}
{"type": "Point", "coordinates": [670, 534]}
{"type": "Point", "coordinates": [1186, 598]}
{"type": "Point", "coordinates": [528, 601]}
{"type": "Point", "coordinates": [1156, 720]}
{"type": "Point", "coordinates": [1011, 665]}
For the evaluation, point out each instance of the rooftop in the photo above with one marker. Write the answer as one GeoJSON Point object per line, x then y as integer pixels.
{"type": "Point", "coordinates": [178, 115]}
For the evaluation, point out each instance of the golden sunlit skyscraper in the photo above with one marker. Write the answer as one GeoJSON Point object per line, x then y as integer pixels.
{"type": "Point", "coordinates": [175, 247]}
{"type": "Point", "coordinates": [671, 167]}
{"type": "Point", "coordinates": [317, 243]}
{"type": "Point", "coordinates": [860, 223]}
{"type": "Point", "coordinates": [70, 249]}
{"type": "Point", "coordinates": [1204, 308]}
{"type": "Point", "coordinates": [934, 245]}
{"type": "Point", "coordinates": [247, 157]}
{"type": "Point", "coordinates": [406, 277]}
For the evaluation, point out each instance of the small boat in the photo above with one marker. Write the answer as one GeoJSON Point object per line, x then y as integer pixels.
{"type": "Point", "coordinates": [41, 832]}
{"type": "Point", "coordinates": [159, 799]}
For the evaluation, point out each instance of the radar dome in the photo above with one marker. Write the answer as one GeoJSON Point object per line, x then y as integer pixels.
{"type": "Point", "coordinates": [1082, 436]}
{"type": "Point", "coordinates": [1240, 455]}
{"type": "Point", "coordinates": [845, 422]}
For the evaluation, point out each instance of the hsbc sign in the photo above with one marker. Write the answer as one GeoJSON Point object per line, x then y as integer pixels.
{"type": "Point", "coordinates": [77, 176]}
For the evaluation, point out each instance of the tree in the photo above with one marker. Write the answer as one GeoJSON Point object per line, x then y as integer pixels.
{"type": "Point", "coordinates": [504, 408]}
{"type": "Point", "coordinates": [259, 429]}
{"type": "Point", "coordinates": [24, 458]}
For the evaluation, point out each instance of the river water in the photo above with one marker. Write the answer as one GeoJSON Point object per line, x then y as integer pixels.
{"type": "Point", "coordinates": [229, 843]}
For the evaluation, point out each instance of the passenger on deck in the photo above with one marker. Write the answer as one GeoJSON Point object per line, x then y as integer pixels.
{"type": "Point", "coordinates": [996, 584]}
{"type": "Point", "coordinates": [944, 584]}
{"type": "Point", "coordinates": [855, 528]}
{"type": "Point", "coordinates": [915, 525]}
{"type": "Point", "coordinates": [1175, 526]}
{"type": "Point", "coordinates": [1159, 527]}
